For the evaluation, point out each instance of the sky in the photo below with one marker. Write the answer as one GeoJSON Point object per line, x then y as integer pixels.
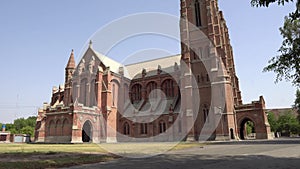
{"type": "Point", "coordinates": [36, 38]}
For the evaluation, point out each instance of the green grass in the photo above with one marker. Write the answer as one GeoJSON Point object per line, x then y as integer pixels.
{"type": "Point", "coordinates": [64, 155]}
{"type": "Point", "coordinates": [51, 155]}
{"type": "Point", "coordinates": [89, 148]}
{"type": "Point", "coordinates": [57, 162]}
{"type": "Point", "coordinates": [45, 148]}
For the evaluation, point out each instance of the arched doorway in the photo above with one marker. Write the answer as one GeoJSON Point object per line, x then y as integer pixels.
{"type": "Point", "coordinates": [247, 129]}
{"type": "Point", "coordinates": [87, 132]}
{"type": "Point", "coordinates": [232, 134]}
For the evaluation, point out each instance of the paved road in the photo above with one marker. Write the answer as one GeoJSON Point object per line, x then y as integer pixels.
{"type": "Point", "coordinates": [276, 154]}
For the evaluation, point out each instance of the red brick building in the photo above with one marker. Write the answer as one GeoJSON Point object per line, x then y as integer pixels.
{"type": "Point", "coordinates": [192, 96]}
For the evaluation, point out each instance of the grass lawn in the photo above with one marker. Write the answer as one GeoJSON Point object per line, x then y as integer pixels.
{"type": "Point", "coordinates": [46, 148]}
{"type": "Point", "coordinates": [65, 155]}
{"type": "Point", "coordinates": [33, 156]}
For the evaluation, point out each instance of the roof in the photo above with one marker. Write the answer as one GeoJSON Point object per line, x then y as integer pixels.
{"type": "Point", "coordinates": [71, 62]}
{"type": "Point", "coordinates": [130, 71]}
{"type": "Point", "coordinates": [112, 64]}
{"type": "Point", "coordinates": [166, 62]}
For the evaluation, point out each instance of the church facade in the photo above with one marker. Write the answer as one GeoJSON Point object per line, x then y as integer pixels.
{"type": "Point", "coordinates": [192, 96]}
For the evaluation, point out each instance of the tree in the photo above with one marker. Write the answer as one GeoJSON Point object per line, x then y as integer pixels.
{"type": "Point", "coordinates": [297, 103]}
{"type": "Point", "coordinates": [27, 130]}
{"type": "Point", "coordinates": [268, 2]}
{"type": "Point", "coordinates": [22, 126]}
{"type": "Point", "coordinates": [288, 124]}
{"type": "Point", "coordinates": [250, 127]}
{"type": "Point", "coordinates": [272, 121]}
{"type": "Point", "coordinates": [11, 128]}
{"type": "Point", "coordinates": [19, 123]}
{"type": "Point", "coordinates": [287, 64]}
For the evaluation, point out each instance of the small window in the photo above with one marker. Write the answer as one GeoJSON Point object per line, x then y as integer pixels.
{"type": "Point", "coordinates": [144, 128]}
{"type": "Point", "coordinates": [162, 127]}
{"type": "Point", "coordinates": [207, 78]}
{"type": "Point", "coordinates": [113, 94]}
{"type": "Point", "coordinates": [206, 113]}
{"type": "Point", "coordinates": [126, 129]}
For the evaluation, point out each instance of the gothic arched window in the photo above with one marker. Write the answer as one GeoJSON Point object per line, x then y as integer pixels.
{"type": "Point", "coordinates": [93, 93]}
{"type": "Point", "coordinates": [144, 128]}
{"type": "Point", "coordinates": [83, 92]}
{"type": "Point", "coordinates": [198, 13]}
{"type": "Point", "coordinates": [162, 127]}
{"type": "Point", "coordinates": [126, 129]}
{"type": "Point", "coordinates": [168, 88]}
{"type": "Point", "coordinates": [51, 128]}
{"type": "Point", "coordinates": [136, 92]}
{"type": "Point", "coordinates": [151, 90]}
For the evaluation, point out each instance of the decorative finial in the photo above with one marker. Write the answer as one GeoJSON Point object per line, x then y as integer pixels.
{"type": "Point", "coordinates": [72, 50]}
{"type": "Point", "coordinates": [91, 43]}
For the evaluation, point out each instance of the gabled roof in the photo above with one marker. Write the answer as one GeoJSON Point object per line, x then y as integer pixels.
{"type": "Point", "coordinates": [165, 63]}
{"type": "Point", "coordinates": [131, 70]}
{"type": "Point", "coordinates": [108, 62]}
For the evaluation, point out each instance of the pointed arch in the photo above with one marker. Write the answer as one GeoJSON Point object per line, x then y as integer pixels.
{"type": "Point", "coordinates": [51, 128]}
{"type": "Point", "coordinates": [83, 91]}
{"type": "Point", "coordinates": [243, 133]}
{"type": "Point", "coordinates": [66, 127]}
{"type": "Point", "coordinates": [136, 92]}
{"type": "Point", "coordinates": [58, 128]}
{"type": "Point", "coordinates": [126, 128]}
{"type": "Point", "coordinates": [152, 93]}
{"type": "Point", "coordinates": [93, 93]}
{"type": "Point", "coordinates": [162, 126]}
{"type": "Point", "coordinates": [87, 132]}
{"type": "Point", "coordinates": [197, 7]}
{"type": "Point", "coordinates": [168, 87]}
{"type": "Point", "coordinates": [115, 92]}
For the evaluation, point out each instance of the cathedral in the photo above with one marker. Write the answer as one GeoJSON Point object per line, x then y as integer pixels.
{"type": "Point", "coordinates": [193, 96]}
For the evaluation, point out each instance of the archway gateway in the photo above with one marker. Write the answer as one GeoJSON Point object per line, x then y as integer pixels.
{"type": "Point", "coordinates": [87, 132]}
{"type": "Point", "coordinates": [247, 129]}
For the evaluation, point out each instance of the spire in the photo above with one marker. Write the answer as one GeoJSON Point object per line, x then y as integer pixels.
{"type": "Point", "coordinates": [71, 62]}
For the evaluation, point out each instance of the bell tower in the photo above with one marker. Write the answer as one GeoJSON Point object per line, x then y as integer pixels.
{"type": "Point", "coordinates": [208, 56]}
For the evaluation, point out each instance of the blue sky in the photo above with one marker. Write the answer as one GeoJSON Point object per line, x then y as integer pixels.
{"type": "Point", "coordinates": [36, 38]}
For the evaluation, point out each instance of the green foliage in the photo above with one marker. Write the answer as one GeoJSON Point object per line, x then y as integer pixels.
{"type": "Point", "coordinates": [22, 126]}
{"type": "Point", "coordinates": [11, 128]}
{"type": "Point", "coordinates": [27, 130]}
{"type": "Point", "coordinates": [287, 64]}
{"type": "Point", "coordinates": [272, 121]}
{"type": "Point", "coordinates": [250, 127]}
{"type": "Point", "coordinates": [297, 103]}
{"type": "Point", "coordinates": [266, 3]}
{"type": "Point", "coordinates": [288, 123]}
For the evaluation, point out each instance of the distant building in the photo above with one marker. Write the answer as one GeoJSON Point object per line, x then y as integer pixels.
{"type": "Point", "coordinates": [4, 135]}
{"type": "Point", "coordinates": [100, 102]}
{"type": "Point", "coordinates": [281, 111]}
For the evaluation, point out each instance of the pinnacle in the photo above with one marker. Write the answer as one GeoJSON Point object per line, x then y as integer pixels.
{"type": "Point", "coordinates": [71, 62]}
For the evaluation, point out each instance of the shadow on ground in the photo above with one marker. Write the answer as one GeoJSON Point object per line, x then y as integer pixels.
{"type": "Point", "coordinates": [179, 161]}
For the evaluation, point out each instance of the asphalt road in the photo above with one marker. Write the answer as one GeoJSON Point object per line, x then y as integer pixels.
{"type": "Point", "coordinates": [277, 154]}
